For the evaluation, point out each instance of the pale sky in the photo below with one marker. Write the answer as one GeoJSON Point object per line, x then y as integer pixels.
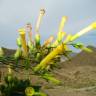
{"type": "Point", "coordinates": [15, 14]}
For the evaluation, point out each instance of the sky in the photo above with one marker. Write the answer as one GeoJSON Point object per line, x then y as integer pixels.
{"type": "Point", "coordinates": [14, 14]}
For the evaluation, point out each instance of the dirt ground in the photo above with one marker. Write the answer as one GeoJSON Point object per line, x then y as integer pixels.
{"type": "Point", "coordinates": [78, 76]}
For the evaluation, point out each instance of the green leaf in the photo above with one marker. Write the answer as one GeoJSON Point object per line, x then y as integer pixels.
{"type": "Point", "coordinates": [48, 77]}
{"type": "Point", "coordinates": [78, 45]}
{"type": "Point", "coordinates": [87, 49]}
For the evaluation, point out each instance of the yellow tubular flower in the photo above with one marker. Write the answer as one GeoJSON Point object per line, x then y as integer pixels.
{"type": "Point", "coordinates": [23, 41]}
{"type": "Point", "coordinates": [85, 30]}
{"type": "Point", "coordinates": [59, 39]}
{"type": "Point", "coordinates": [64, 18]}
{"type": "Point", "coordinates": [60, 36]}
{"type": "Point", "coordinates": [48, 41]}
{"type": "Point", "coordinates": [29, 91]}
{"type": "Point", "coordinates": [29, 30]}
{"type": "Point", "coordinates": [49, 57]}
{"type": "Point", "coordinates": [67, 39]}
{"type": "Point", "coordinates": [37, 39]}
{"type": "Point", "coordinates": [42, 12]}
{"type": "Point", "coordinates": [93, 25]}
{"type": "Point", "coordinates": [30, 45]}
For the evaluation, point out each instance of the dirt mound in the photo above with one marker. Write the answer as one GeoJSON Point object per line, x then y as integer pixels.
{"type": "Point", "coordinates": [83, 58]}
{"type": "Point", "coordinates": [8, 52]}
